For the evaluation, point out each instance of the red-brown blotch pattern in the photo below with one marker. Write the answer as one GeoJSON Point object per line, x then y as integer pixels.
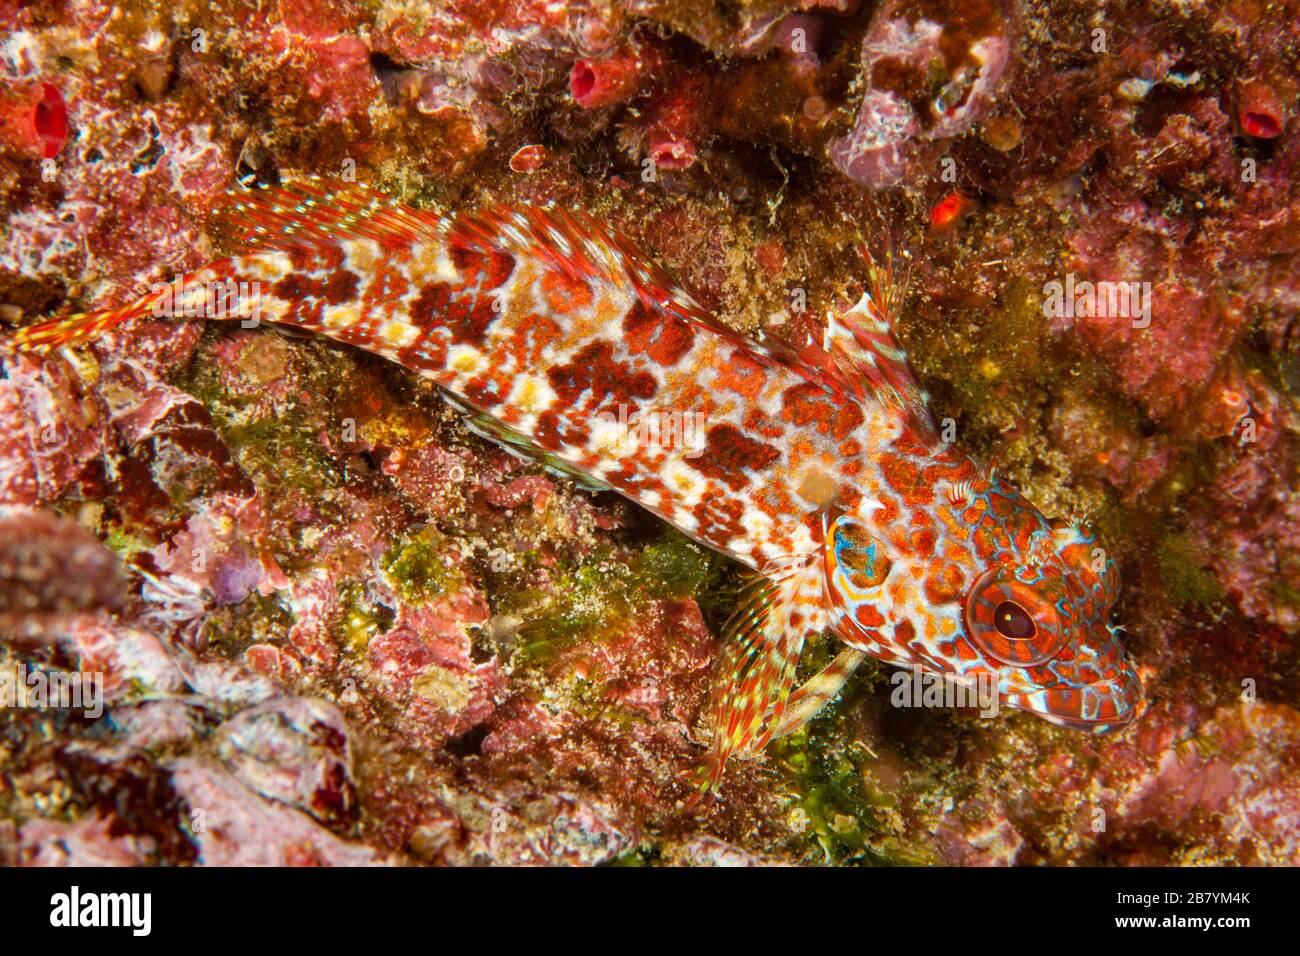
{"type": "Point", "coordinates": [817, 465]}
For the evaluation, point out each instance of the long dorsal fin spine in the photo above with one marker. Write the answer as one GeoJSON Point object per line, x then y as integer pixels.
{"type": "Point", "coordinates": [863, 351]}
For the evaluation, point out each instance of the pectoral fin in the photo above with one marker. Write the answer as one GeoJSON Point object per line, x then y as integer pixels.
{"type": "Point", "coordinates": [818, 691]}
{"type": "Point", "coordinates": [762, 643]}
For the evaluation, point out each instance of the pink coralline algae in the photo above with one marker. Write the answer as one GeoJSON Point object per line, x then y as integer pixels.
{"type": "Point", "coordinates": [55, 432]}
{"type": "Point", "coordinates": [926, 80]}
{"type": "Point", "coordinates": [335, 625]}
{"type": "Point", "coordinates": [248, 831]}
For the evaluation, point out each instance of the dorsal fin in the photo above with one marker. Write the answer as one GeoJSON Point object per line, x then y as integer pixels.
{"type": "Point", "coordinates": [310, 212]}
{"type": "Point", "coordinates": [861, 343]}
{"type": "Point", "coordinates": [583, 249]}
{"type": "Point", "coordinates": [857, 351]}
{"type": "Point", "coordinates": [858, 355]}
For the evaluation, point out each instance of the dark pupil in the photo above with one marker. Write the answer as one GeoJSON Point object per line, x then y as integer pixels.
{"type": "Point", "coordinates": [1012, 621]}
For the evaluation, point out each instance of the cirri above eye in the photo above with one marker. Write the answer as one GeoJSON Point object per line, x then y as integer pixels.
{"type": "Point", "coordinates": [1011, 623]}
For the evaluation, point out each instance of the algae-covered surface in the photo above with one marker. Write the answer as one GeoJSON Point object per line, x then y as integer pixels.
{"type": "Point", "coordinates": [336, 625]}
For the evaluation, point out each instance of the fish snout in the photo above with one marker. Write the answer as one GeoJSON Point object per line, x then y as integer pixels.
{"type": "Point", "coordinates": [1088, 697]}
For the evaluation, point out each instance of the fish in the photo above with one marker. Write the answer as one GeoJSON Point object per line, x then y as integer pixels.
{"type": "Point", "coordinates": [814, 462]}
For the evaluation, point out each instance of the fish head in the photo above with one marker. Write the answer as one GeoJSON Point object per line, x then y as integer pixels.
{"type": "Point", "coordinates": [997, 593]}
{"type": "Point", "coordinates": [1040, 618]}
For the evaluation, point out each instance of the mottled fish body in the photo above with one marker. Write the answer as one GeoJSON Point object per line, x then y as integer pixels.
{"type": "Point", "coordinates": [815, 464]}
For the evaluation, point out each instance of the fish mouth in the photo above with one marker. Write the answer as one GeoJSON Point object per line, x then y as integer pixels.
{"type": "Point", "coordinates": [1102, 707]}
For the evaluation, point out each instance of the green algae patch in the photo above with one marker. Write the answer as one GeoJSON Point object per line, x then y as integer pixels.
{"type": "Point", "coordinates": [601, 596]}
{"type": "Point", "coordinates": [257, 619]}
{"type": "Point", "coordinates": [124, 543]}
{"type": "Point", "coordinates": [420, 568]}
{"type": "Point", "coordinates": [831, 805]}
{"type": "Point", "coordinates": [676, 567]}
{"type": "Point", "coordinates": [276, 452]}
{"type": "Point", "coordinates": [592, 602]}
{"type": "Point", "coordinates": [361, 620]}
{"type": "Point", "coordinates": [275, 441]}
{"type": "Point", "coordinates": [1181, 566]}
{"type": "Point", "coordinates": [635, 857]}
{"type": "Point", "coordinates": [826, 775]}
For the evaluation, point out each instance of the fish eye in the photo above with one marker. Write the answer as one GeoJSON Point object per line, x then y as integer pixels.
{"type": "Point", "coordinates": [1013, 622]}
